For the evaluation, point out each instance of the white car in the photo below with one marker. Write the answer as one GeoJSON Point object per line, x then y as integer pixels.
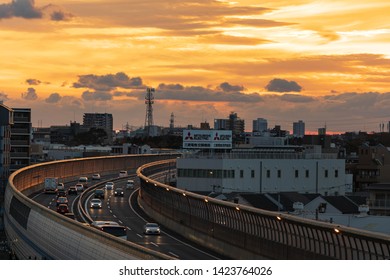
{"type": "Point", "coordinates": [60, 186]}
{"type": "Point", "coordinates": [83, 180]}
{"type": "Point", "coordinates": [80, 187]}
{"type": "Point", "coordinates": [110, 186]}
{"type": "Point", "coordinates": [96, 203]}
{"type": "Point", "coordinates": [151, 228]}
{"type": "Point", "coordinates": [96, 176]}
{"type": "Point", "coordinates": [130, 184]}
{"type": "Point", "coordinates": [123, 173]}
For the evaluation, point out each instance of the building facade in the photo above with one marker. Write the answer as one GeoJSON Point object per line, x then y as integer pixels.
{"type": "Point", "coordinates": [260, 125]}
{"type": "Point", "coordinates": [233, 123]}
{"type": "Point", "coordinates": [21, 135]}
{"type": "Point", "coordinates": [102, 121]}
{"type": "Point", "coordinates": [269, 171]}
{"type": "Point", "coordinates": [299, 129]}
{"type": "Point", "coordinates": [6, 120]}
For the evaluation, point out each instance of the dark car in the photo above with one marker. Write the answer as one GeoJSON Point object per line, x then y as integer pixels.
{"type": "Point", "coordinates": [72, 190]}
{"type": "Point", "coordinates": [61, 193]}
{"type": "Point", "coordinates": [62, 200]}
{"type": "Point", "coordinates": [118, 192]}
{"type": "Point", "coordinates": [63, 209]}
{"type": "Point", "coordinates": [99, 193]}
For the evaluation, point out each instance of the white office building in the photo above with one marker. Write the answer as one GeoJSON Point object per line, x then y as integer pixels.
{"type": "Point", "coordinates": [264, 171]}
{"type": "Point", "coordinates": [299, 129]}
{"type": "Point", "coordinates": [260, 125]}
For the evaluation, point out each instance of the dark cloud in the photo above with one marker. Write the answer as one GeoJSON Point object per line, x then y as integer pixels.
{"type": "Point", "coordinates": [163, 87]}
{"type": "Point", "coordinates": [108, 82]}
{"type": "Point", "coordinates": [71, 102]}
{"type": "Point", "coordinates": [30, 94]}
{"type": "Point", "coordinates": [228, 87]}
{"type": "Point", "coordinates": [281, 85]}
{"type": "Point", "coordinates": [96, 96]}
{"type": "Point", "coordinates": [33, 82]}
{"type": "Point", "coordinates": [53, 98]}
{"type": "Point", "coordinates": [296, 98]}
{"type": "Point", "coordinates": [198, 93]}
{"type": "Point", "coordinates": [20, 8]}
{"type": "Point", "coordinates": [60, 16]}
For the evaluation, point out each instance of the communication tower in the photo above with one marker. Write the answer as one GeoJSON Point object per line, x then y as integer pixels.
{"type": "Point", "coordinates": [149, 100]}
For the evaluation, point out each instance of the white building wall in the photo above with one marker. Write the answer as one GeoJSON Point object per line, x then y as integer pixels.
{"type": "Point", "coordinates": [266, 179]}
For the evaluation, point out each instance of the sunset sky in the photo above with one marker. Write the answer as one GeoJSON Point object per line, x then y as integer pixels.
{"type": "Point", "coordinates": [324, 62]}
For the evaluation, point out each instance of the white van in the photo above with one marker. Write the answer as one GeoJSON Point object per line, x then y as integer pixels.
{"type": "Point", "coordinates": [123, 173]}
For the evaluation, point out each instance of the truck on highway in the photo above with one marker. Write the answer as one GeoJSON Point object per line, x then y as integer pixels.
{"type": "Point", "coordinates": [50, 185]}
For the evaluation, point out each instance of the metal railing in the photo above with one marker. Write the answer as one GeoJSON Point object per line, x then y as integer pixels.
{"type": "Point", "coordinates": [254, 231]}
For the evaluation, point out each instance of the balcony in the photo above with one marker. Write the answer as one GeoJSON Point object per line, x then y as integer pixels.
{"type": "Point", "coordinates": [367, 179]}
{"type": "Point", "coordinates": [20, 142]}
{"type": "Point", "coordinates": [20, 155]}
{"type": "Point", "coordinates": [20, 119]}
{"type": "Point", "coordinates": [20, 131]}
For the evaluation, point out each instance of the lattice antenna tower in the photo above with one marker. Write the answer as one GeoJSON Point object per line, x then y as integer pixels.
{"type": "Point", "coordinates": [149, 100]}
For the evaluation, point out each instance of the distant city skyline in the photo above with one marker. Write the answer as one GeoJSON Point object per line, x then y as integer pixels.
{"type": "Point", "coordinates": [323, 62]}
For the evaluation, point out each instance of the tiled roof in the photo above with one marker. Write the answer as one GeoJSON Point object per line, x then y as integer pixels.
{"type": "Point", "coordinates": [260, 201]}
{"type": "Point", "coordinates": [345, 205]}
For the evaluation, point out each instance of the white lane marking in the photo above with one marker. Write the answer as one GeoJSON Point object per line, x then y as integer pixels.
{"type": "Point", "coordinates": [173, 254]}
{"type": "Point", "coordinates": [128, 228]}
{"type": "Point", "coordinates": [113, 215]}
{"type": "Point", "coordinates": [139, 235]}
{"type": "Point", "coordinates": [154, 244]}
{"type": "Point", "coordinates": [119, 221]}
{"type": "Point", "coordinates": [110, 211]}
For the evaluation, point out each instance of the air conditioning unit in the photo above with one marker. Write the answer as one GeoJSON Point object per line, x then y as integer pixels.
{"type": "Point", "coordinates": [298, 206]}
{"type": "Point", "coordinates": [363, 209]}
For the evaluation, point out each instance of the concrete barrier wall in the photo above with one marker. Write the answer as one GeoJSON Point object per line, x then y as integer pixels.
{"type": "Point", "coordinates": [243, 232]}
{"type": "Point", "coordinates": [35, 232]}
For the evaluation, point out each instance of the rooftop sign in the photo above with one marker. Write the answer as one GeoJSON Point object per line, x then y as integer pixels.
{"type": "Point", "coordinates": [207, 139]}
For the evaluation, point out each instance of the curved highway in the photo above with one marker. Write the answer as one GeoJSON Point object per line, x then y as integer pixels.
{"type": "Point", "coordinates": [125, 211]}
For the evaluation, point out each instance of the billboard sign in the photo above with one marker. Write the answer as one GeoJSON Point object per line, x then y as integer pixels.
{"type": "Point", "coordinates": [207, 139]}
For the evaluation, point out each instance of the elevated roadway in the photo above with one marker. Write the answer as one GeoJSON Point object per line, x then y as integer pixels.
{"type": "Point", "coordinates": [237, 231]}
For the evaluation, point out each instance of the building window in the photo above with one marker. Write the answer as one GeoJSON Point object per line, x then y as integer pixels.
{"type": "Point", "coordinates": [252, 173]}
{"type": "Point", "coordinates": [241, 173]}
{"type": "Point", "coordinates": [279, 173]}
{"type": "Point", "coordinates": [296, 173]}
{"type": "Point", "coordinates": [307, 173]}
{"type": "Point", "coordinates": [336, 173]}
{"type": "Point", "coordinates": [326, 173]}
{"type": "Point", "coordinates": [268, 173]}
